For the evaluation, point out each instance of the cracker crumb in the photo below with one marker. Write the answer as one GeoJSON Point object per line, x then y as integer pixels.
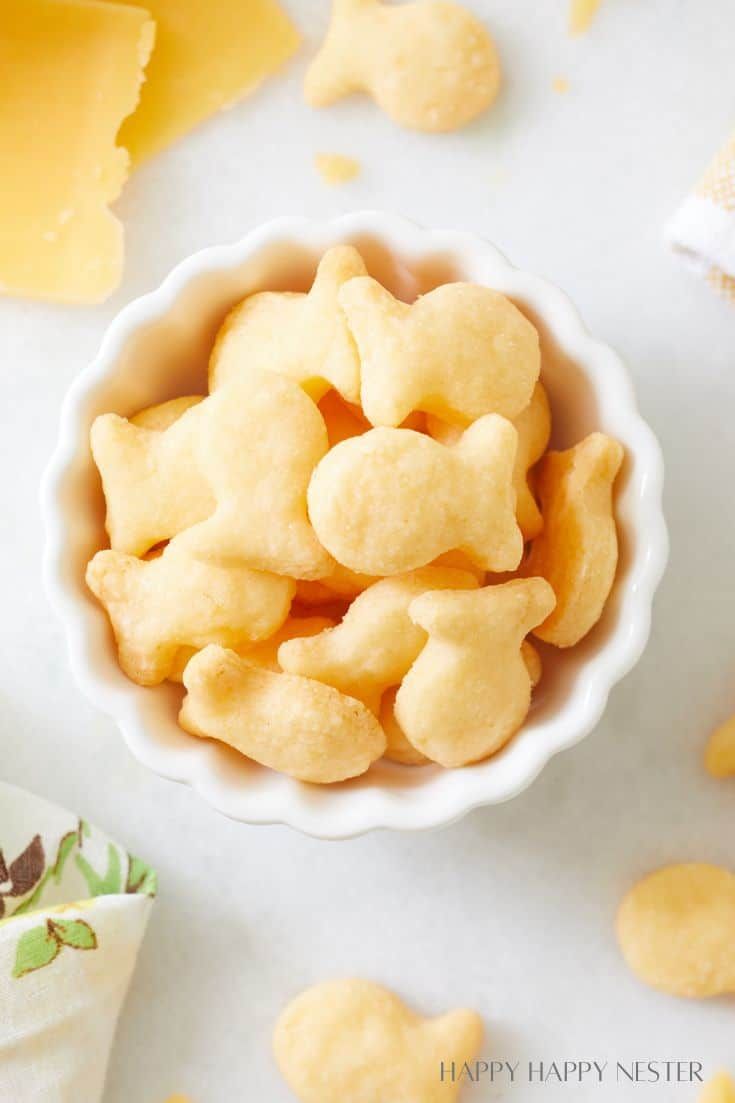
{"type": "Point", "coordinates": [336, 169]}
{"type": "Point", "coordinates": [560, 85]}
{"type": "Point", "coordinates": [720, 753]}
{"type": "Point", "coordinates": [581, 14]}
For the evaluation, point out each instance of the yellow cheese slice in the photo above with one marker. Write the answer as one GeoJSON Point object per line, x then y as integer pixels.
{"type": "Point", "coordinates": [70, 71]}
{"type": "Point", "coordinates": [208, 55]}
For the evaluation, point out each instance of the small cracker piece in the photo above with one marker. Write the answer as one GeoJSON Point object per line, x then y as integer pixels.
{"type": "Point", "coordinates": [458, 352]}
{"type": "Point", "coordinates": [533, 426]}
{"type": "Point", "coordinates": [399, 749]}
{"type": "Point", "coordinates": [172, 601]}
{"type": "Point", "coordinates": [393, 500]}
{"type": "Point", "coordinates": [257, 447]}
{"type": "Point", "coordinates": [430, 65]}
{"type": "Point", "coordinates": [335, 169]}
{"type": "Point", "coordinates": [720, 753]}
{"type": "Point", "coordinates": [264, 652]}
{"type": "Point", "coordinates": [344, 1036]}
{"type": "Point", "coordinates": [377, 641]}
{"type": "Point", "coordinates": [469, 690]}
{"type": "Point", "coordinates": [302, 728]}
{"type": "Point", "coordinates": [577, 551]}
{"type": "Point", "coordinates": [302, 336]}
{"type": "Point", "coordinates": [675, 930]}
{"type": "Point", "coordinates": [719, 1090]}
{"type": "Point", "coordinates": [152, 480]}
{"type": "Point", "coordinates": [164, 414]}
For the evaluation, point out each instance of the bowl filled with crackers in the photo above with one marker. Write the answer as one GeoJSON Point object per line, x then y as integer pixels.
{"type": "Point", "coordinates": [352, 524]}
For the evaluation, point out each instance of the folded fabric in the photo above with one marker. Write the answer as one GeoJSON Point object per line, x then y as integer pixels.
{"type": "Point", "coordinates": [703, 229]}
{"type": "Point", "coordinates": [73, 910]}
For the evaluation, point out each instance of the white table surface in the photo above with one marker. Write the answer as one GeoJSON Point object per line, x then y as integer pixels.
{"type": "Point", "coordinates": [510, 911]}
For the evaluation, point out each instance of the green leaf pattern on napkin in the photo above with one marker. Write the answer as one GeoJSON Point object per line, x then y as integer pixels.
{"type": "Point", "coordinates": [39, 946]}
{"type": "Point", "coordinates": [36, 948]}
{"type": "Point", "coordinates": [107, 884]}
{"type": "Point", "coordinates": [76, 864]}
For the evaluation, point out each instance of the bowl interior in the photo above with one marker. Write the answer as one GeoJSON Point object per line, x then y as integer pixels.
{"type": "Point", "coordinates": [165, 353]}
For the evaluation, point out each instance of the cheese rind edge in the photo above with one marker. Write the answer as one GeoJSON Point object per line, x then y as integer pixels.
{"type": "Point", "coordinates": [58, 239]}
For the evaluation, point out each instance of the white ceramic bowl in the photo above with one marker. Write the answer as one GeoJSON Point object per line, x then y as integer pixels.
{"type": "Point", "coordinates": [157, 348]}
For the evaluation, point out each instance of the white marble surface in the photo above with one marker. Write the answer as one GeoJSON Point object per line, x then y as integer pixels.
{"type": "Point", "coordinates": [510, 911]}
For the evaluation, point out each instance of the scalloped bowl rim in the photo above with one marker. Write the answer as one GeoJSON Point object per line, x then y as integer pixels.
{"type": "Point", "coordinates": [307, 808]}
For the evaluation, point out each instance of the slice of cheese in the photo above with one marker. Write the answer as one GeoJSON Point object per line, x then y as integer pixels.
{"type": "Point", "coordinates": [208, 55]}
{"type": "Point", "coordinates": [70, 72]}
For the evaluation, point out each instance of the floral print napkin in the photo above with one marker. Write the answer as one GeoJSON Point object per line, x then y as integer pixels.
{"type": "Point", "coordinates": [73, 911]}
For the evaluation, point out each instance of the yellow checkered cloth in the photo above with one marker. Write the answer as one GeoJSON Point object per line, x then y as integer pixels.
{"type": "Point", "coordinates": [703, 229]}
